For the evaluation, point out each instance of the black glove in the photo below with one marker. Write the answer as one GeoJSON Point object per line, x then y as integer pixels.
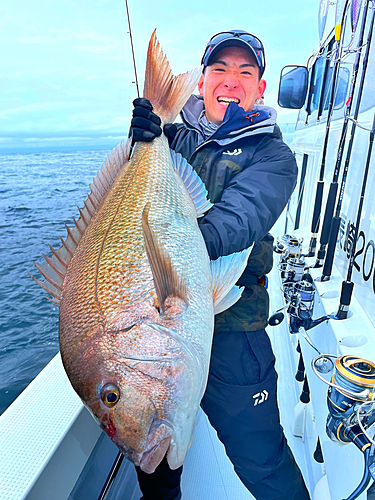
{"type": "Point", "coordinates": [145, 124]}
{"type": "Point", "coordinates": [170, 131]}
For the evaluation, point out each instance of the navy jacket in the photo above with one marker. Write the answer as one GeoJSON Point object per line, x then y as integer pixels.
{"type": "Point", "coordinates": [250, 174]}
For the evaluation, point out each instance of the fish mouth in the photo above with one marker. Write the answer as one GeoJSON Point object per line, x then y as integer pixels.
{"type": "Point", "coordinates": [158, 442]}
{"type": "Point", "coordinates": [227, 100]}
{"type": "Point", "coordinates": [152, 458]}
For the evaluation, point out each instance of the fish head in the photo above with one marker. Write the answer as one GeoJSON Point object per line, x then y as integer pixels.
{"type": "Point", "coordinates": [129, 417]}
{"type": "Point", "coordinates": [141, 385]}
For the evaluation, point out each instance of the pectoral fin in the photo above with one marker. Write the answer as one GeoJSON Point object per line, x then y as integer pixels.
{"type": "Point", "coordinates": [193, 183]}
{"type": "Point", "coordinates": [225, 272]}
{"type": "Point", "coordinates": [166, 280]}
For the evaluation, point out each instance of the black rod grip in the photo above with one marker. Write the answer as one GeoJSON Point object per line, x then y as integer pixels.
{"type": "Point", "coordinates": [346, 293]}
{"type": "Point", "coordinates": [317, 207]}
{"type": "Point", "coordinates": [345, 299]}
{"type": "Point", "coordinates": [300, 375]}
{"type": "Point", "coordinates": [330, 207]}
{"type": "Point", "coordinates": [328, 263]}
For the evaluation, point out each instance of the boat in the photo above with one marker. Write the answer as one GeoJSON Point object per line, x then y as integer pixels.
{"type": "Point", "coordinates": [322, 329]}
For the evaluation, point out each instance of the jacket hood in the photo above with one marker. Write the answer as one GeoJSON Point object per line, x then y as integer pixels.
{"type": "Point", "coordinates": [237, 123]}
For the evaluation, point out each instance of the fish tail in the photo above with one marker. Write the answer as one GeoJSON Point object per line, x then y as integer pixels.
{"type": "Point", "coordinates": [167, 93]}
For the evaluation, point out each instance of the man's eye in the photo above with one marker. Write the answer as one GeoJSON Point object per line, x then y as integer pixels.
{"type": "Point", "coordinates": [245, 73]}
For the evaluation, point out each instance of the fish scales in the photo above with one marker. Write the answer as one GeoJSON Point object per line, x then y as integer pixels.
{"type": "Point", "coordinates": [117, 260]}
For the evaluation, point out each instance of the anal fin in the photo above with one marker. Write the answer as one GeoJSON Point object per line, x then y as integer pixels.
{"type": "Point", "coordinates": [225, 272]}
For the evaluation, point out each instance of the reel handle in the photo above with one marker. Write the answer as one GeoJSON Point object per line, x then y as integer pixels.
{"type": "Point", "coordinates": [276, 318]}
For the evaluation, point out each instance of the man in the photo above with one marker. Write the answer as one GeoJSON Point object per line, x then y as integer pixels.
{"type": "Point", "coordinates": [237, 150]}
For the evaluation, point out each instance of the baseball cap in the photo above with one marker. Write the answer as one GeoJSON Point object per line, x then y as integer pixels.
{"type": "Point", "coordinates": [235, 38]}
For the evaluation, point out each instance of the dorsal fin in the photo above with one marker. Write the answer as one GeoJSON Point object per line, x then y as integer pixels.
{"type": "Point", "coordinates": [54, 269]}
{"type": "Point", "coordinates": [193, 183]}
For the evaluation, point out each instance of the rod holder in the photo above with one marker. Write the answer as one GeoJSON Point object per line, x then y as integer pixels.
{"type": "Point", "coordinates": [300, 375]}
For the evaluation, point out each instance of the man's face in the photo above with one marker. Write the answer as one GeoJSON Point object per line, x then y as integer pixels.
{"type": "Point", "coordinates": [233, 76]}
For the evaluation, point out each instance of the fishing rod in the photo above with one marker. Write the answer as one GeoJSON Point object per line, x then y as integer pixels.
{"type": "Point", "coordinates": [315, 223]}
{"type": "Point", "coordinates": [328, 222]}
{"type": "Point", "coordinates": [132, 47]}
{"type": "Point", "coordinates": [336, 220]}
{"type": "Point", "coordinates": [348, 285]}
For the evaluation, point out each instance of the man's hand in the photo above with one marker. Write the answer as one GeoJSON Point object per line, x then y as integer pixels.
{"type": "Point", "coordinates": [145, 124]}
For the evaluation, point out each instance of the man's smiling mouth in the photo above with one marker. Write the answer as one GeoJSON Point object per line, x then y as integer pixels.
{"type": "Point", "coordinates": [227, 100]}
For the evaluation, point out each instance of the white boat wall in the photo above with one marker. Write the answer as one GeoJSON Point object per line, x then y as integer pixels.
{"type": "Point", "coordinates": [332, 105]}
{"type": "Point", "coordinates": [51, 448]}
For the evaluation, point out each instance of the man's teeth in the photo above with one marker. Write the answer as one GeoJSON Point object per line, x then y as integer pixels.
{"type": "Point", "coordinates": [227, 100]}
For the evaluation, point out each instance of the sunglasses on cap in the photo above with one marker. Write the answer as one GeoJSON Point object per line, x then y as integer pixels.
{"type": "Point", "coordinates": [239, 38]}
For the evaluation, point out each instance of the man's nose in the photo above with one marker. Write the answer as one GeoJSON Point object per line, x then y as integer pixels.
{"type": "Point", "coordinates": [231, 81]}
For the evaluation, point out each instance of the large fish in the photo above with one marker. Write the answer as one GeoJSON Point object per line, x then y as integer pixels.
{"type": "Point", "coordinates": [137, 292]}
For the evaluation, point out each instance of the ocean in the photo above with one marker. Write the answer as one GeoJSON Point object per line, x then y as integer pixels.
{"type": "Point", "coordinates": [38, 193]}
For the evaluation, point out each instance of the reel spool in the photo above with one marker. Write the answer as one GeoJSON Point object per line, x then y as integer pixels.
{"type": "Point", "coordinates": [282, 243]}
{"type": "Point", "coordinates": [300, 304]}
{"type": "Point", "coordinates": [293, 269]}
{"type": "Point", "coordinates": [293, 249]}
{"type": "Point", "coordinates": [302, 300]}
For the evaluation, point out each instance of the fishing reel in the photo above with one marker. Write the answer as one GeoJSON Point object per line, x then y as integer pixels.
{"type": "Point", "coordinates": [300, 299]}
{"type": "Point", "coordinates": [292, 269]}
{"type": "Point", "coordinates": [302, 306]}
{"type": "Point", "coordinates": [288, 246]}
{"type": "Point", "coordinates": [351, 406]}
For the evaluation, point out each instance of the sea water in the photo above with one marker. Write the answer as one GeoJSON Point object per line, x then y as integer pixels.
{"type": "Point", "coordinates": [39, 192]}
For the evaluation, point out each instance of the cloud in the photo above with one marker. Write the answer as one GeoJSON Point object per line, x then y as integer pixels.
{"type": "Point", "coordinates": [69, 69]}
{"type": "Point", "coordinates": [32, 108]}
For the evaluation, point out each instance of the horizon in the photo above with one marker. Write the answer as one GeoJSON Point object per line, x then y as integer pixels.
{"type": "Point", "coordinates": [68, 77]}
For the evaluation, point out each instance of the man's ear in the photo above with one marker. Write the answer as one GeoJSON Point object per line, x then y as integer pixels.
{"type": "Point", "coordinates": [261, 88]}
{"type": "Point", "coordinates": [200, 85]}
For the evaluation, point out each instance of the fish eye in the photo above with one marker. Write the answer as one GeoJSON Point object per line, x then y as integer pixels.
{"type": "Point", "coordinates": [110, 394]}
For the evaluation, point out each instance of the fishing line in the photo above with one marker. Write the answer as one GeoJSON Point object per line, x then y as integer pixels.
{"type": "Point", "coordinates": [112, 475]}
{"type": "Point", "coordinates": [358, 124]}
{"type": "Point", "coordinates": [334, 223]}
{"type": "Point", "coordinates": [132, 47]}
{"type": "Point", "coordinates": [315, 223]}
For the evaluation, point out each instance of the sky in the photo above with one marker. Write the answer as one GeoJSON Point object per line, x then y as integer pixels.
{"type": "Point", "coordinates": [67, 72]}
